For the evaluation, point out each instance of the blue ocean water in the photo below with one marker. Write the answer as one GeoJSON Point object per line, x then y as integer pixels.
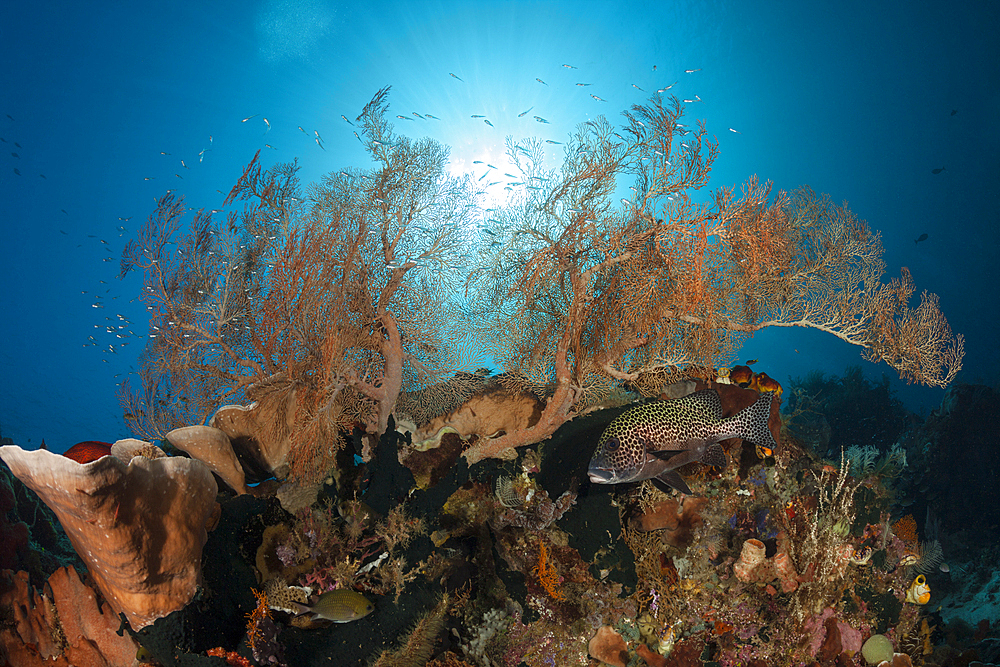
{"type": "Point", "coordinates": [105, 106]}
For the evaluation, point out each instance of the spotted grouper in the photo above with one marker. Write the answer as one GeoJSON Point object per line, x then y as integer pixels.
{"type": "Point", "coordinates": [651, 441]}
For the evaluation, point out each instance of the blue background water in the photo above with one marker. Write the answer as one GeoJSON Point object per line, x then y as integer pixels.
{"type": "Point", "coordinates": [853, 100]}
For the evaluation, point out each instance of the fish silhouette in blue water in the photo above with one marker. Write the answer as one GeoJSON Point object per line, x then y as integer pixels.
{"type": "Point", "coordinates": [922, 237]}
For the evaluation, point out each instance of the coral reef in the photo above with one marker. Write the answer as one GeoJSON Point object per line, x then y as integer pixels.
{"type": "Point", "coordinates": [335, 315]}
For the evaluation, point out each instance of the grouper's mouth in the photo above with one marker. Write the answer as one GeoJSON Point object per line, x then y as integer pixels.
{"type": "Point", "coordinates": [600, 475]}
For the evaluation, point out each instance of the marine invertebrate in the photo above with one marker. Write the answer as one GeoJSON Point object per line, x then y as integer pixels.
{"type": "Point", "coordinates": [14, 536]}
{"type": "Point", "coordinates": [929, 557]}
{"type": "Point", "coordinates": [751, 556]}
{"type": "Point", "coordinates": [906, 529]}
{"type": "Point", "coordinates": [547, 575]}
{"type": "Point", "coordinates": [232, 658]}
{"type": "Point", "coordinates": [817, 543]}
{"type": "Point", "coordinates": [138, 523]}
{"type": "Point", "coordinates": [581, 306]}
{"type": "Point", "coordinates": [785, 571]}
{"type": "Point", "coordinates": [418, 646]}
{"type": "Point", "coordinates": [507, 493]}
{"type": "Point", "coordinates": [64, 624]}
{"type": "Point", "coordinates": [877, 649]}
{"type": "Point", "coordinates": [608, 646]}
{"type": "Point", "coordinates": [359, 271]}
{"type": "Point", "coordinates": [212, 447]}
{"type": "Point", "coordinates": [677, 518]}
{"type": "Point", "coordinates": [254, 618]}
{"type": "Point", "coordinates": [260, 433]}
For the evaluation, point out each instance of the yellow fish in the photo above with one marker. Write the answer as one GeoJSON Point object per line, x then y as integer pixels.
{"type": "Point", "coordinates": [340, 606]}
{"type": "Point", "coordinates": [919, 592]}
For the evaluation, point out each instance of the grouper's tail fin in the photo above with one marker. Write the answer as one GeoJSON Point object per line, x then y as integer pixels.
{"type": "Point", "coordinates": [751, 424]}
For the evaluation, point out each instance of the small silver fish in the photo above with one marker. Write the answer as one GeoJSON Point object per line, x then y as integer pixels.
{"type": "Point", "coordinates": [540, 81]}
{"type": "Point", "coordinates": [599, 99]}
{"type": "Point", "coordinates": [456, 76]}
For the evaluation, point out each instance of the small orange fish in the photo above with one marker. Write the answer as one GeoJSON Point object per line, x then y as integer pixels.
{"type": "Point", "coordinates": [88, 451]}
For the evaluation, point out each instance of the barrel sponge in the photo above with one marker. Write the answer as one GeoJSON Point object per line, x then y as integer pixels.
{"type": "Point", "coordinates": [137, 518]}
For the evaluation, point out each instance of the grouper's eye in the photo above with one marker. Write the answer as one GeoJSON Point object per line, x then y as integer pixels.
{"type": "Point", "coordinates": [612, 444]}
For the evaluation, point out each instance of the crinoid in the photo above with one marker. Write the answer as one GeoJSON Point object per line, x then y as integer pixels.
{"type": "Point", "coordinates": [862, 459]}
{"type": "Point", "coordinates": [929, 558]}
{"type": "Point", "coordinates": [507, 492]}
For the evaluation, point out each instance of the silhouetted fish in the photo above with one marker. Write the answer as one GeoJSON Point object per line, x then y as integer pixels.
{"type": "Point", "coordinates": [88, 451]}
{"type": "Point", "coordinates": [937, 171]}
{"type": "Point", "coordinates": [922, 237]}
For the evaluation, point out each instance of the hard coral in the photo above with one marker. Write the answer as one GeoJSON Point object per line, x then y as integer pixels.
{"type": "Point", "coordinates": [138, 523]}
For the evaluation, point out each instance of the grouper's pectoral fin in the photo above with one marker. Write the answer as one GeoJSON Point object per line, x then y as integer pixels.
{"type": "Point", "coordinates": [665, 454]}
{"type": "Point", "coordinates": [710, 455]}
{"type": "Point", "coordinates": [714, 456]}
{"type": "Point", "coordinates": [669, 479]}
